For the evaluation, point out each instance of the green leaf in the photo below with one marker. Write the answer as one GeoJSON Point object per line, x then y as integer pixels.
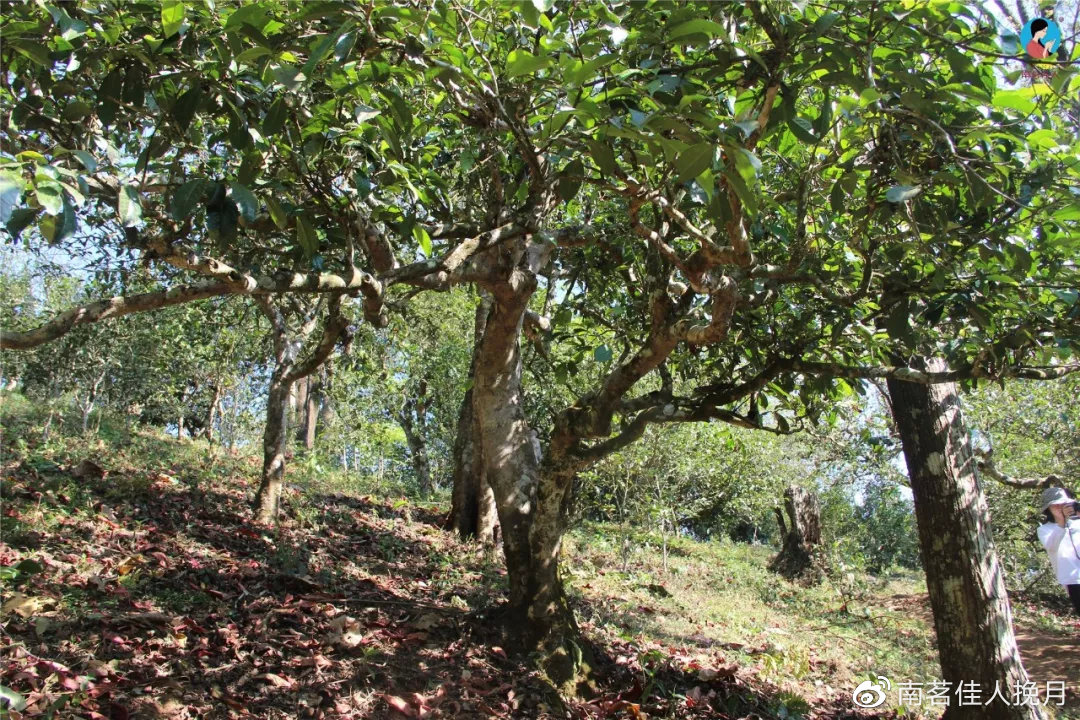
{"type": "Point", "coordinates": [11, 188]}
{"type": "Point", "coordinates": [803, 130]}
{"type": "Point", "coordinates": [275, 118]}
{"type": "Point", "coordinates": [70, 28]}
{"type": "Point", "coordinates": [172, 17]}
{"type": "Point", "coordinates": [183, 110]}
{"type": "Point", "coordinates": [50, 196]}
{"type": "Point", "coordinates": [65, 224]}
{"type": "Point", "coordinates": [521, 62]}
{"type": "Point", "coordinates": [306, 236]}
{"type": "Point", "coordinates": [602, 354]}
{"type": "Point", "coordinates": [696, 27]}
{"type": "Point", "coordinates": [568, 186]}
{"type": "Point", "coordinates": [20, 219]}
{"type": "Point", "coordinates": [344, 46]}
{"type": "Point", "coordinates": [837, 198]}
{"type": "Point", "coordinates": [86, 159]}
{"type": "Point", "coordinates": [421, 236]}
{"type": "Point", "coordinates": [603, 155]}
{"type": "Point", "coordinates": [289, 76]}
{"type": "Point", "coordinates": [277, 212]}
{"type": "Point", "coordinates": [324, 47]}
{"type": "Point", "coordinates": [12, 700]}
{"type": "Point", "coordinates": [824, 23]}
{"type": "Point", "coordinates": [899, 322]}
{"type": "Point", "coordinates": [251, 54]}
{"type": "Point", "coordinates": [868, 96]}
{"type": "Point", "coordinates": [748, 198]}
{"type": "Point", "coordinates": [76, 110]}
{"type": "Point", "coordinates": [108, 93]}
{"type": "Point", "coordinates": [29, 566]}
{"type": "Point", "coordinates": [186, 197]}
{"type": "Point", "coordinates": [246, 201]}
{"type": "Point", "coordinates": [253, 15]}
{"type": "Point", "coordinates": [693, 161]}
{"type": "Point", "coordinates": [37, 52]}
{"type": "Point", "coordinates": [902, 193]}
{"type": "Point", "coordinates": [128, 206]}
{"type": "Point", "coordinates": [1019, 100]}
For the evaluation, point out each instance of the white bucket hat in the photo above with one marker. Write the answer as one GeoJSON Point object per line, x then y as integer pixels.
{"type": "Point", "coordinates": [1055, 496]}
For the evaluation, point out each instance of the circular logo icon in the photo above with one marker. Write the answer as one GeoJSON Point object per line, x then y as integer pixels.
{"type": "Point", "coordinates": [1041, 38]}
{"type": "Point", "coordinates": [870, 694]}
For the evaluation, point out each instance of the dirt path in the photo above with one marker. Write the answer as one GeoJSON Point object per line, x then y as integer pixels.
{"type": "Point", "coordinates": [1047, 656]}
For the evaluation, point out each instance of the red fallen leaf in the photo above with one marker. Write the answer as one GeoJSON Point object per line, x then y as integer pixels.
{"type": "Point", "coordinates": [69, 683]}
{"type": "Point", "coordinates": [400, 705]}
{"type": "Point", "coordinates": [496, 650]}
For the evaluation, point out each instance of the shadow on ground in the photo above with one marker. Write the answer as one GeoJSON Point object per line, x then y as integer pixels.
{"type": "Point", "coordinates": [150, 595]}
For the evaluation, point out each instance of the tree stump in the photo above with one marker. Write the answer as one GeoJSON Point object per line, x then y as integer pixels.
{"type": "Point", "coordinates": [797, 559]}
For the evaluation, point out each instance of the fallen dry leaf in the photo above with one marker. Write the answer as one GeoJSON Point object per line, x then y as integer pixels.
{"type": "Point", "coordinates": [23, 605]}
{"type": "Point", "coordinates": [400, 705]}
{"type": "Point", "coordinates": [277, 680]}
{"type": "Point", "coordinates": [345, 630]}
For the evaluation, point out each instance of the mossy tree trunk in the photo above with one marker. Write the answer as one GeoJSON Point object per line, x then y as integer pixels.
{"type": "Point", "coordinates": [971, 609]}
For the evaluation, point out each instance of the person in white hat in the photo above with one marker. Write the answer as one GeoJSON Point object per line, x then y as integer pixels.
{"type": "Point", "coordinates": [1060, 535]}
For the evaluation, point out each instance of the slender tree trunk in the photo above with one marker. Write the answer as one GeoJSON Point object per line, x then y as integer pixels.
{"type": "Point", "coordinates": [971, 609]}
{"type": "Point", "coordinates": [311, 412]}
{"type": "Point", "coordinates": [91, 399]}
{"type": "Point", "coordinates": [473, 513]}
{"type": "Point", "coordinates": [412, 425]}
{"type": "Point", "coordinates": [298, 399]}
{"type": "Point", "coordinates": [274, 435]}
{"type": "Point", "coordinates": [212, 413]}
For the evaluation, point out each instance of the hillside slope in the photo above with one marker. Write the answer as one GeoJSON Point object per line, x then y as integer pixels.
{"type": "Point", "coordinates": [136, 587]}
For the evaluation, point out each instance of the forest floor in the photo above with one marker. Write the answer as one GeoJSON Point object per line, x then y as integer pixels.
{"type": "Point", "coordinates": [135, 587]}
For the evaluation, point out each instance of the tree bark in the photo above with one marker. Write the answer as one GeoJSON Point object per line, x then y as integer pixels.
{"type": "Point", "coordinates": [531, 497]}
{"type": "Point", "coordinates": [472, 513]}
{"type": "Point", "coordinates": [311, 412]}
{"type": "Point", "coordinates": [268, 496]}
{"type": "Point", "coordinates": [801, 536]}
{"type": "Point", "coordinates": [971, 609]}
{"type": "Point", "coordinates": [287, 371]}
{"type": "Point", "coordinates": [411, 418]}
{"type": "Point", "coordinates": [298, 399]}
{"type": "Point", "coordinates": [211, 414]}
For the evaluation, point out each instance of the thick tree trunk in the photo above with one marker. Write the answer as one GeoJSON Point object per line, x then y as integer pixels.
{"type": "Point", "coordinates": [274, 434]}
{"type": "Point", "coordinates": [801, 536]}
{"type": "Point", "coordinates": [972, 616]}
{"type": "Point", "coordinates": [531, 499]}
